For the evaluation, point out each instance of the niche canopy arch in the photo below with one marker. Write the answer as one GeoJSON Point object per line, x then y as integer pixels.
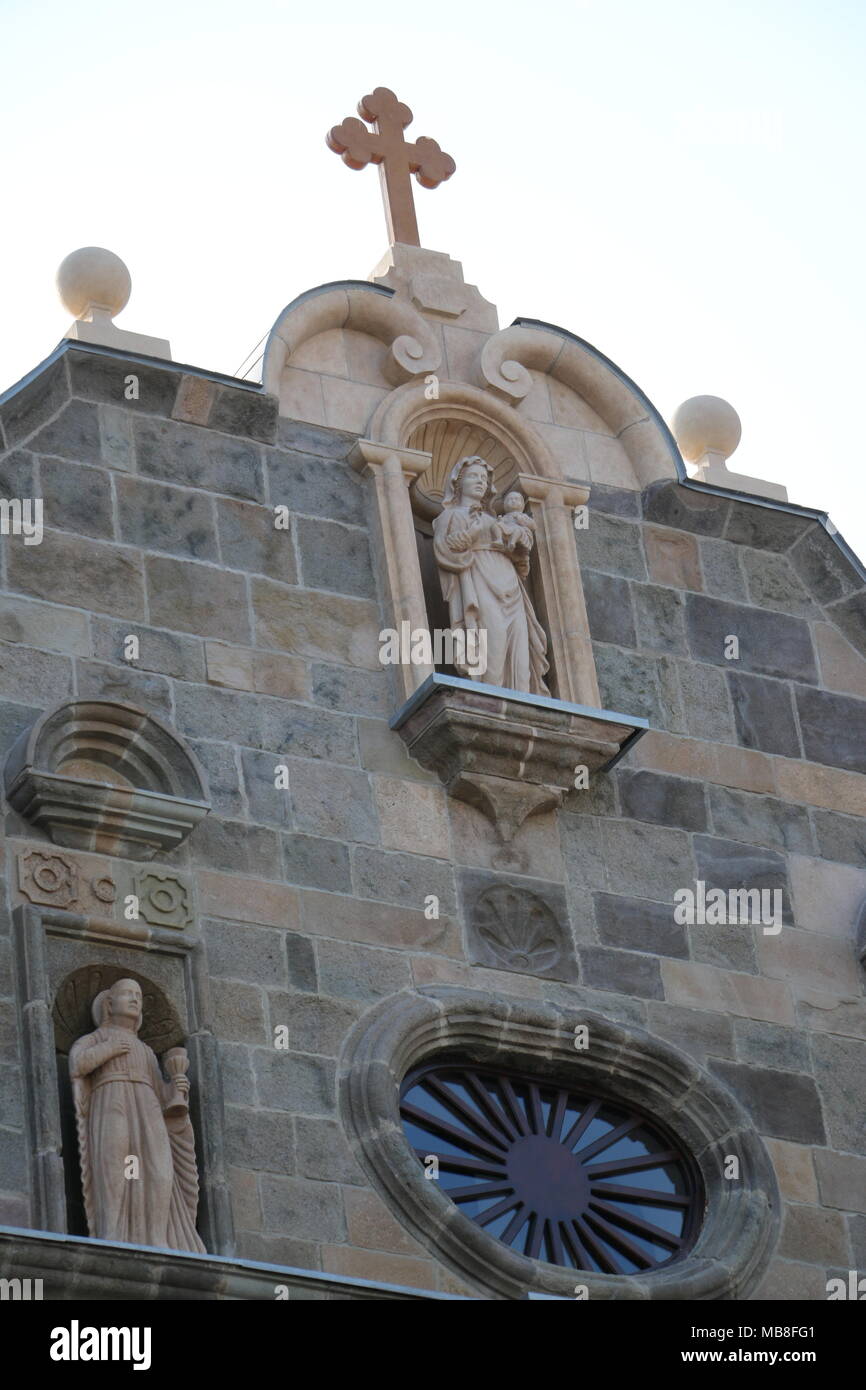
{"type": "Point", "coordinates": [102, 775]}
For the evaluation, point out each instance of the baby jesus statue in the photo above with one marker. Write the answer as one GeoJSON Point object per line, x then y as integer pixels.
{"type": "Point", "coordinates": [516, 527]}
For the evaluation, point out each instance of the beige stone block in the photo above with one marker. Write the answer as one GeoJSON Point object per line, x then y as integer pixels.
{"type": "Point", "coordinates": [349, 405]}
{"type": "Point", "coordinates": [841, 1180]}
{"type": "Point", "coordinates": [462, 352]}
{"type": "Point", "coordinates": [435, 970]}
{"type": "Point", "coordinates": [672, 557]}
{"type": "Point", "coordinates": [795, 1170]}
{"type": "Point", "coordinates": [572, 411]}
{"type": "Point", "coordinates": [384, 751]}
{"type": "Point", "coordinates": [379, 924]}
{"type": "Point", "coordinates": [815, 1235]}
{"type": "Point", "coordinates": [609, 464]}
{"type": "Point", "coordinates": [727, 991]}
{"type": "Point", "coordinates": [301, 396]}
{"type": "Point", "coordinates": [312, 623]}
{"type": "Point", "coordinates": [247, 900]}
{"type": "Point", "coordinates": [324, 353]}
{"type": "Point", "coordinates": [828, 787]}
{"type": "Point", "coordinates": [535, 849]}
{"type": "Point", "coordinates": [384, 1269]}
{"type": "Point", "coordinates": [789, 1281]}
{"type": "Point", "coordinates": [809, 960]}
{"type": "Point", "coordinates": [566, 446]}
{"type": "Point", "coordinates": [194, 399]}
{"type": "Point", "coordinates": [833, 1013]}
{"type": "Point", "coordinates": [285, 676]}
{"type": "Point", "coordinates": [743, 768]}
{"type": "Point", "coordinates": [231, 666]}
{"type": "Point", "coordinates": [842, 668]}
{"type": "Point", "coordinates": [413, 816]}
{"type": "Point", "coordinates": [246, 1205]}
{"type": "Point", "coordinates": [827, 897]}
{"type": "Point", "coordinates": [372, 1226]}
{"type": "Point", "coordinates": [43, 625]}
{"type": "Point", "coordinates": [536, 403]}
{"type": "Point", "coordinates": [366, 358]}
{"type": "Point", "coordinates": [684, 757]}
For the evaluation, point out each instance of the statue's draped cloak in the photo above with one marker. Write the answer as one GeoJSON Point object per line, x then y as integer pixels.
{"type": "Point", "coordinates": [483, 590]}
{"type": "Point", "coordinates": [119, 1105]}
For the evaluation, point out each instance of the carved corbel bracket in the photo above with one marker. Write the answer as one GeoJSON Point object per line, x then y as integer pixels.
{"type": "Point", "coordinates": [414, 348]}
{"type": "Point", "coordinates": [509, 755]}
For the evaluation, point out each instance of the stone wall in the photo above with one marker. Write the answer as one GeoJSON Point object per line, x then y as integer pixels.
{"type": "Point", "coordinates": [259, 646]}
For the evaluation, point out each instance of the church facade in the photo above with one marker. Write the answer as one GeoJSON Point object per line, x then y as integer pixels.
{"type": "Point", "coordinates": [463, 988]}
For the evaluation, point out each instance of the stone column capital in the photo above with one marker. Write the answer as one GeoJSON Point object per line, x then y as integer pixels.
{"type": "Point", "coordinates": [367, 456]}
{"type": "Point", "coordinates": [552, 490]}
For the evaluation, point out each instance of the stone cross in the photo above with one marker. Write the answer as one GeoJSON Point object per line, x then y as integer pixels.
{"type": "Point", "coordinates": [384, 145]}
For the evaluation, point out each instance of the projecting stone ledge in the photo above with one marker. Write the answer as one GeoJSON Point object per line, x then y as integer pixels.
{"type": "Point", "coordinates": [508, 754]}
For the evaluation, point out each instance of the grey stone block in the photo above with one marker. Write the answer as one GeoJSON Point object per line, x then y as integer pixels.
{"type": "Point", "coordinates": [69, 569]}
{"type": "Point", "coordinates": [195, 457]}
{"type": "Point", "coordinates": [170, 519]}
{"type": "Point", "coordinates": [303, 1209]}
{"type": "Point", "coordinates": [315, 485]}
{"type": "Point", "coordinates": [16, 476]}
{"type": "Point", "coordinates": [236, 410]}
{"type": "Point", "coordinates": [76, 498]}
{"type": "Point", "coordinates": [333, 801]}
{"type": "Point", "coordinates": [769, 1045]}
{"type": "Point", "coordinates": [728, 864]}
{"type": "Point", "coordinates": [99, 378]}
{"type": "Point", "coordinates": [115, 428]}
{"type": "Point", "coordinates": [224, 715]}
{"type": "Point", "coordinates": [647, 860]}
{"type": "Point", "coordinates": [249, 540]}
{"type": "Point", "coordinates": [354, 691]}
{"type": "Point", "coordinates": [598, 799]}
{"type": "Point", "coordinates": [223, 778]}
{"type": "Point", "coordinates": [670, 504]}
{"type": "Point", "coordinates": [239, 1012]}
{"type": "Point", "coordinates": [236, 1073]}
{"type": "Point", "coordinates": [302, 963]}
{"type": "Point", "coordinates": [660, 614]}
{"type": "Point", "coordinates": [729, 947]}
{"type": "Point", "coordinates": [774, 585]}
{"type": "Point", "coordinates": [312, 862]}
{"type": "Point", "coordinates": [98, 680]}
{"type": "Point", "coordinates": [301, 437]}
{"type": "Point", "coordinates": [616, 501]}
{"type": "Point", "coordinates": [608, 608]}
{"type": "Point", "coordinates": [335, 557]}
{"type": "Point", "coordinates": [764, 714]}
{"type": "Point", "coordinates": [25, 673]}
{"type": "Point", "coordinates": [319, 1025]}
{"type": "Point", "coordinates": [698, 1032]}
{"type": "Point", "coordinates": [44, 625]}
{"type": "Point", "coordinates": [366, 973]}
{"type": "Point", "coordinates": [770, 644]}
{"type": "Point", "coordinates": [784, 1105]}
{"type": "Point", "coordinates": [625, 972]}
{"type": "Point", "coordinates": [764, 527]}
{"type": "Point", "coordinates": [720, 561]}
{"type": "Point", "coordinates": [304, 731]}
{"type": "Point", "coordinates": [236, 847]}
{"type": "Point", "coordinates": [34, 403]}
{"type": "Point", "coordinates": [629, 684]}
{"type": "Point", "coordinates": [706, 702]}
{"type": "Point", "coordinates": [323, 1153]}
{"type": "Point", "coordinates": [14, 719]}
{"type": "Point", "coordinates": [611, 545]}
{"type": "Point", "coordinates": [849, 615]}
{"type": "Point", "coordinates": [857, 1236]}
{"type": "Point", "coordinates": [833, 728]}
{"type": "Point", "coordinates": [240, 952]}
{"type": "Point", "coordinates": [13, 1160]}
{"type": "Point", "coordinates": [73, 434]}
{"type": "Point", "coordinates": [269, 804]}
{"type": "Point", "coordinates": [294, 1081]}
{"type": "Point", "coordinates": [634, 924]}
{"type": "Point", "coordinates": [405, 879]}
{"type": "Point", "coordinates": [11, 1098]}
{"type": "Point", "coordinates": [839, 1065]}
{"type": "Point", "coordinates": [653, 796]}
{"type": "Point", "coordinates": [584, 853]}
{"type": "Point", "coordinates": [166, 652]}
{"type": "Point", "coordinates": [197, 598]}
{"type": "Point", "coordinates": [762, 820]}
{"type": "Point", "coordinates": [260, 1139]}
{"type": "Point", "coordinates": [840, 838]}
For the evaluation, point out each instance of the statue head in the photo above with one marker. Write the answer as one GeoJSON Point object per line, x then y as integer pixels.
{"type": "Point", "coordinates": [122, 1003]}
{"type": "Point", "coordinates": [513, 502]}
{"type": "Point", "coordinates": [470, 480]}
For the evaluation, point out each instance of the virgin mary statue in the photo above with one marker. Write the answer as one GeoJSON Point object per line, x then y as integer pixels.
{"type": "Point", "coordinates": [482, 570]}
{"type": "Point", "coordinates": [136, 1143]}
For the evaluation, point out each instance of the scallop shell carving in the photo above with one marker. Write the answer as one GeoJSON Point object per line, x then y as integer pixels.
{"type": "Point", "coordinates": [518, 928]}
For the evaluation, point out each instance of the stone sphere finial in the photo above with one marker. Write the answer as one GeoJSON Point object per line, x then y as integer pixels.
{"type": "Point", "coordinates": [93, 279]}
{"type": "Point", "coordinates": [706, 425]}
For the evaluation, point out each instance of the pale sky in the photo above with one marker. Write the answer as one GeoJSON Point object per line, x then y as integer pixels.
{"type": "Point", "coordinates": [679, 182]}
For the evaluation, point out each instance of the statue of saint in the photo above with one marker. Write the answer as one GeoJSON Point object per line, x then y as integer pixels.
{"type": "Point", "coordinates": [135, 1139]}
{"type": "Point", "coordinates": [482, 565]}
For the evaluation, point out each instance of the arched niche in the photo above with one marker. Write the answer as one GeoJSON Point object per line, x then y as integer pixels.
{"type": "Point", "coordinates": [102, 775]}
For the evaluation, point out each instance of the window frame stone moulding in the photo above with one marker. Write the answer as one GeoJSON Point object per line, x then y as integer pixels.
{"type": "Point", "coordinates": [149, 798]}
{"type": "Point", "coordinates": [741, 1220]}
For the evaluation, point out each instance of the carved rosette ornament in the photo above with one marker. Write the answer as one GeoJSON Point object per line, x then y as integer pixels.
{"type": "Point", "coordinates": [47, 878]}
{"type": "Point", "coordinates": [516, 930]}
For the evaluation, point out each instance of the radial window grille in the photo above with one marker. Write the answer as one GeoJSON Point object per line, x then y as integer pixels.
{"type": "Point", "coordinates": [573, 1179]}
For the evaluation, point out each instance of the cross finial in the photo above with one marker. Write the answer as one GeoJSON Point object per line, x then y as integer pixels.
{"type": "Point", "coordinates": [397, 159]}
